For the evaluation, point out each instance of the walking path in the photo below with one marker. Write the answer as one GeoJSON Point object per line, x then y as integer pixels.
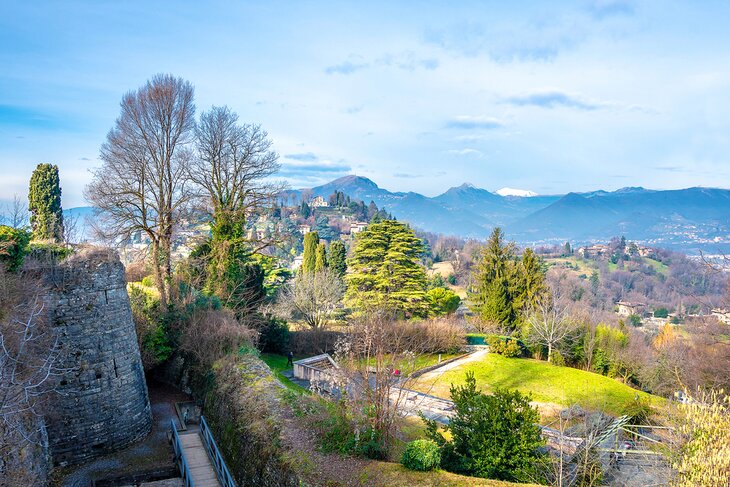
{"type": "Point", "coordinates": [201, 468]}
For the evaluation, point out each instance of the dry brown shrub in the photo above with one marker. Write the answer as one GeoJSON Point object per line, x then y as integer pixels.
{"type": "Point", "coordinates": [210, 334]}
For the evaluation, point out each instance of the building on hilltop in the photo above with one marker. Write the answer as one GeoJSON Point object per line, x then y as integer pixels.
{"type": "Point", "coordinates": [597, 250]}
{"type": "Point", "coordinates": [626, 308]}
{"type": "Point", "coordinates": [318, 202]}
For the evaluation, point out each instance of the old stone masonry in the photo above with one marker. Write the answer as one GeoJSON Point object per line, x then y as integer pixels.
{"type": "Point", "coordinates": [102, 403]}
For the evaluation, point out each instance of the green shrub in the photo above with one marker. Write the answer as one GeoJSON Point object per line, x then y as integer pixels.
{"type": "Point", "coordinates": [274, 336]}
{"type": "Point", "coordinates": [558, 358]}
{"type": "Point", "coordinates": [148, 281]}
{"type": "Point", "coordinates": [494, 436]}
{"type": "Point", "coordinates": [13, 247]}
{"type": "Point", "coordinates": [422, 455]}
{"type": "Point", "coordinates": [443, 301]}
{"type": "Point", "coordinates": [508, 347]}
{"type": "Point", "coordinates": [661, 313]}
{"type": "Point", "coordinates": [635, 320]}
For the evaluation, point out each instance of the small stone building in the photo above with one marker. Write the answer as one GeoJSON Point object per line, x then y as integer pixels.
{"type": "Point", "coordinates": [320, 370]}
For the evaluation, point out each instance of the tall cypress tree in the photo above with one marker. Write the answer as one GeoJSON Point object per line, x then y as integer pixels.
{"type": "Point", "coordinates": [320, 259]}
{"type": "Point", "coordinates": [44, 195]}
{"type": "Point", "coordinates": [338, 258]}
{"type": "Point", "coordinates": [311, 241]}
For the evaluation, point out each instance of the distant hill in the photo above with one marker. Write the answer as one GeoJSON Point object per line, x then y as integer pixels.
{"type": "Point", "coordinates": [685, 219]}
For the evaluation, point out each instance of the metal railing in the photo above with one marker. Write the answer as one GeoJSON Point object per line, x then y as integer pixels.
{"type": "Point", "coordinates": [224, 476]}
{"type": "Point", "coordinates": [180, 457]}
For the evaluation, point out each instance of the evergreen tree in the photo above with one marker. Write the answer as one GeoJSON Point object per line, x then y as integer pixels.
{"type": "Point", "coordinates": [386, 272]}
{"type": "Point", "coordinates": [46, 215]}
{"type": "Point", "coordinates": [304, 210]}
{"type": "Point", "coordinates": [372, 210]}
{"type": "Point", "coordinates": [311, 241]}
{"type": "Point", "coordinates": [320, 259]}
{"type": "Point", "coordinates": [531, 281]}
{"type": "Point", "coordinates": [337, 258]}
{"type": "Point", "coordinates": [494, 436]}
{"type": "Point", "coordinates": [492, 296]}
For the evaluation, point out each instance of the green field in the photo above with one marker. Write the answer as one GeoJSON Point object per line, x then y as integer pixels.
{"type": "Point", "coordinates": [564, 386]}
{"type": "Point", "coordinates": [658, 266]}
{"type": "Point", "coordinates": [277, 364]}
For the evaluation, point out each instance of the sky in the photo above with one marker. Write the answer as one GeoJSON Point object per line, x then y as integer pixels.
{"type": "Point", "coordinates": [551, 97]}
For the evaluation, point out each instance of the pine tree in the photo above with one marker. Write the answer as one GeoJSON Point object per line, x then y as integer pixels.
{"type": "Point", "coordinates": [492, 296]}
{"type": "Point", "coordinates": [530, 283]}
{"type": "Point", "coordinates": [46, 215]}
{"type": "Point", "coordinates": [311, 241]}
{"type": "Point", "coordinates": [320, 259]}
{"type": "Point", "coordinates": [386, 272]}
{"type": "Point", "coordinates": [305, 211]}
{"type": "Point", "coordinates": [337, 258]}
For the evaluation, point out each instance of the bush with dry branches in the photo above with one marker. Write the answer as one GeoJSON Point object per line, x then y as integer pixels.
{"type": "Point", "coordinates": [28, 353]}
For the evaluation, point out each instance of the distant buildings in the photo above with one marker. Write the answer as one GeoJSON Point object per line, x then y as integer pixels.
{"type": "Point", "coordinates": [297, 262]}
{"type": "Point", "coordinates": [318, 202]}
{"type": "Point", "coordinates": [597, 250]}
{"type": "Point", "coordinates": [627, 309]}
{"type": "Point", "coordinates": [722, 315]}
{"type": "Point", "coordinates": [357, 227]}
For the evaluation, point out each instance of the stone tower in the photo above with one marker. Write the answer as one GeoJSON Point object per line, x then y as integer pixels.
{"type": "Point", "coordinates": [102, 404]}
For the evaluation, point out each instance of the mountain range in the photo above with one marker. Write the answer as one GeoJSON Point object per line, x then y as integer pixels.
{"type": "Point", "coordinates": [687, 219]}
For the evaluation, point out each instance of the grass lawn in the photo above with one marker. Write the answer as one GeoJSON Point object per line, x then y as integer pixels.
{"type": "Point", "coordinates": [386, 474]}
{"type": "Point", "coordinates": [421, 361]}
{"type": "Point", "coordinates": [564, 386]}
{"type": "Point", "coordinates": [277, 363]}
{"type": "Point", "coordinates": [658, 266]}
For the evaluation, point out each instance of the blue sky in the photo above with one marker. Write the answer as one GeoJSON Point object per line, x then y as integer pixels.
{"type": "Point", "coordinates": [418, 96]}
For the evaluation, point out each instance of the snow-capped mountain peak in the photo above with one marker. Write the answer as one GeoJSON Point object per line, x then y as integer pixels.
{"type": "Point", "coordinates": [515, 192]}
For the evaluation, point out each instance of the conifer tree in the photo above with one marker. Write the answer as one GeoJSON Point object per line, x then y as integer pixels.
{"type": "Point", "coordinates": [320, 258]}
{"type": "Point", "coordinates": [493, 296]}
{"type": "Point", "coordinates": [386, 271]}
{"type": "Point", "coordinates": [46, 215]}
{"type": "Point", "coordinates": [337, 258]}
{"type": "Point", "coordinates": [530, 283]}
{"type": "Point", "coordinates": [311, 241]}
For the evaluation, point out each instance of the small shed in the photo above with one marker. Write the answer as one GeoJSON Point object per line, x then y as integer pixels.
{"type": "Point", "coordinates": [320, 369]}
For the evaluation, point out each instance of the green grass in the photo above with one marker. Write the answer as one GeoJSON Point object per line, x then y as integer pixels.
{"type": "Point", "coordinates": [564, 386]}
{"type": "Point", "coordinates": [658, 266]}
{"type": "Point", "coordinates": [419, 362]}
{"type": "Point", "coordinates": [277, 364]}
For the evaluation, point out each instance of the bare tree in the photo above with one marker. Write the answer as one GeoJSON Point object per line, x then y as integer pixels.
{"type": "Point", "coordinates": [312, 297]}
{"type": "Point", "coordinates": [17, 215]}
{"type": "Point", "coordinates": [28, 353]}
{"type": "Point", "coordinates": [142, 184]}
{"type": "Point", "coordinates": [71, 229]}
{"type": "Point", "coordinates": [549, 323]}
{"type": "Point", "coordinates": [232, 168]}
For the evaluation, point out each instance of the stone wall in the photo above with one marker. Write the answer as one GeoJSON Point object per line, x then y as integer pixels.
{"type": "Point", "coordinates": [102, 403]}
